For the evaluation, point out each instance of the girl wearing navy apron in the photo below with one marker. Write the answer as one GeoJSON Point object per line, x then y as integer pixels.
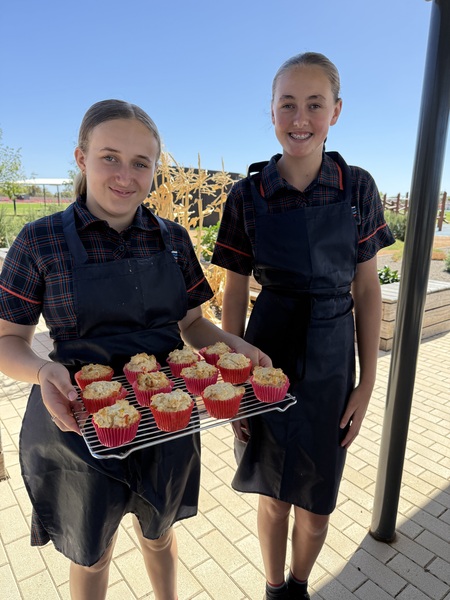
{"type": "Point", "coordinates": [111, 280]}
{"type": "Point", "coordinates": [308, 227]}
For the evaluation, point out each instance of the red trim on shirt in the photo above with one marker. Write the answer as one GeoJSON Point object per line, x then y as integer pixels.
{"type": "Point", "coordinates": [197, 284]}
{"type": "Point", "coordinates": [19, 295]}
{"type": "Point", "coordinates": [233, 249]}
{"type": "Point", "coordinates": [341, 177]}
{"type": "Point", "coordinates": [261, 189]}
{"type": "Point", "coordinates": [372, 234]}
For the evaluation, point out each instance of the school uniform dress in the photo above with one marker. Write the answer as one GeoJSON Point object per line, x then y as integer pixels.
{"type": "Point", "coordinates": [105, 296]}
{"type": "Point", "coordinates": [303, 248]}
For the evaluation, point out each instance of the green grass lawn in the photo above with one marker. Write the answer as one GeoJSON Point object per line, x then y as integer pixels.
{"type": "Point", "coordinates": [27, 208]}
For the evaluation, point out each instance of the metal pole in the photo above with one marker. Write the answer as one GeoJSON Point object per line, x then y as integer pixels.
{"type": "Point", "coordinates": [427, 175]}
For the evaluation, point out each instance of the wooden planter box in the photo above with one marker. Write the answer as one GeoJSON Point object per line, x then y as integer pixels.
{"type": "Point", "coordinates": [436, 318]}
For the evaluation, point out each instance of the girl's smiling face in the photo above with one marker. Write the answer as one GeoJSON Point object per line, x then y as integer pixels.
{"type": "Point", "coordinates": [303, 109]}
{"type": "Point", "coordinates": [119, 165]}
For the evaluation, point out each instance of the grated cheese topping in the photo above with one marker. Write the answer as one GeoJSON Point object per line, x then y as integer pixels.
{"type": "Point", "coordinates": [120, 414]}
{"type": "Point", "coordinates": [101, 389]}
{"type": "Point", "coordinates": [223, 391]}
{"type": "Point", "coordinates": [171, 401]}
{"type": "Point", "coordinates": [233, 360]}
{"type": "Point", "coordinates": [200, 370]}
{"type": "Point", "coordinates": [152, 381]}
{"type": "Point", "coordinates": [142, 362]}
{"type": "Point", "coordinates": [185, 355]}
{"type": "Point", "coordinates": [269, 376]}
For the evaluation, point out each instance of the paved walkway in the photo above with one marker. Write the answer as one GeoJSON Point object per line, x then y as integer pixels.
{"type": "Point", "coordinates": [219, 553]}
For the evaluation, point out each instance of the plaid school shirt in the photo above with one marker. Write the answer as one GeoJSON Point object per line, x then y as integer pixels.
{"type": "Point", "coordinates": [37, 273]}
{"type": "Point", "coordinates": [236, 239]}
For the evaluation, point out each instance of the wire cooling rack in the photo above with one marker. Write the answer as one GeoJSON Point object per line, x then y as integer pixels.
{"type": "Point", "coordinates": [148, 433]}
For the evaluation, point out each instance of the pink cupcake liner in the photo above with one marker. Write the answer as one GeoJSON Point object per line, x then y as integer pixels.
{"type": "Point", "coordinates": [144, 397]}
{"type": "Point", "coordinates": [210, 358]}
{"type": "Point", "coordinates": [176, 368]}
{"type": "Point", "coordinates": [223, 409]}
{"type": "Point", "coordinates": [93, 405]}
{"type": "Point", "coordinates": [82, 382]}
{"type": "Point", "coordinates": [235, 376]}
{"type": "Point", "coordinates": [116, 436]}
{"type": "Point", "coordinates": [269, 393]}
{"type": "Point", "coordinates": [196, 386]}
{"type": "Point", "coordinates": [132, 375]}
{"type": "Point", "coordinates": [172, 421]}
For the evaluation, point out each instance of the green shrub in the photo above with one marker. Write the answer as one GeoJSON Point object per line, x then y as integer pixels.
{"type": "Point", "coordinates": [10, 224]}
{"type": "Point", "coordinates": [209, 241]}
{"type": "Point", "coordinates": [397, 224]}
{"type": "Point", "coordinates": [9, 227]}
{"type": "Point", "coordinates": [447, 263]}
{"type": "Point", "coordinates": [388, 275]}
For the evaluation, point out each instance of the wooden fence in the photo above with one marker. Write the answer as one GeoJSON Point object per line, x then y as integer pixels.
{"type": "Point", "coordinates": [400, 205]}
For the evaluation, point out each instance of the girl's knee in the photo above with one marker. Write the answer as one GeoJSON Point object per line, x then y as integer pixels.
{"type": "Point", "coordinates": [102, 564]}
{"type": "Point", "coordinates": [316, 525]}
{"type": "Point", "coordinates": [274, 509]}
{"type": "Point", "coordinates": [159, 545]}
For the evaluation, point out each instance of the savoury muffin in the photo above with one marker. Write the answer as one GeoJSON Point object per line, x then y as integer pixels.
{"type": "Point", "coordinates": [234, 367]}
{"type": "Point", "coordinates": [98, 394]}
{"type": "Point", "coordinates": [172, 411]}
{"type": "Point", "coordinates": [199, 376]}
{"type": "Point", "coordinates": [178, 359]}
{"type": "Point", "coordinates": [222, 400]}
{"type": "Point", "coordinates": [116, 424]}
{"type": "Point", "coordinates": [149, 384]}
{"type": "Point", "coordinates": [213, 352]}
{"type": "Point", "coordinates": [269, 384]}
{"type": "Point", "coordinates": [93, 372]}
{"type": "Point", "coordinates": [140, 363]}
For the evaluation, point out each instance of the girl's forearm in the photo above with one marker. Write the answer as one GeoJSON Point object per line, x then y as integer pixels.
{"type": "Point", "coordinates": [368, 320]}
{"type": "Point", "coordinates": [18, 360]}
{"type": "Point", "coordinates": [235, 303]}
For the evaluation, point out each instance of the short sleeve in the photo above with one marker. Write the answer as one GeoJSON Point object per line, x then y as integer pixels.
{"type": "Point", "coordinates": [233, 248]}
{"type": "Point", "coordinates": [374, 232]}
{"type": "Point", "coordinates": [21, 284]}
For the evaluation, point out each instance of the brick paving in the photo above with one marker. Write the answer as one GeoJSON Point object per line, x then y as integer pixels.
{"type": "Point", "coordinates": [219, 553]}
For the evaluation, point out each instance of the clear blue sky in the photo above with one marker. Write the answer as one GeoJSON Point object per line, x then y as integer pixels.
{"type": "Point", "coordinates": [203, 71]}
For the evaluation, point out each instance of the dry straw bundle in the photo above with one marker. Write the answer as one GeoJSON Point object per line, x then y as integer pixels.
{"type": "Point", "coordinates": [179, 195]}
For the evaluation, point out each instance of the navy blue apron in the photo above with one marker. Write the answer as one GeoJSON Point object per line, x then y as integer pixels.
{"type": "Point", "coordinates": [305, 261]}
{"type": "Point", "coordinates": [123, 307]}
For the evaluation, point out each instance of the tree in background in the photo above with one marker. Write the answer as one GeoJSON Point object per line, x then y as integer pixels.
{"type": "Point", "coordinates": [11, 172]}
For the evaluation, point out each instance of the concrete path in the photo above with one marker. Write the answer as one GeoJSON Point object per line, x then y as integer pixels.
{"type": "Point", "coordinates": [219, 552]}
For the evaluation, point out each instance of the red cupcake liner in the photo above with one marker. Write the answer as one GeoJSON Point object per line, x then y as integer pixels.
{"type": "Point", "coordinates": [93, 405]}
{"type": "Point", "coordinates": [131, 376]}
{"type": "Point", "coordinates": [144, 397]}
{"type": "Point", "coordinates": [269, 393]}
{"type": "Point", "coordinates": [172, 421]}
{"type": "Point", "coordinates": [196, 385]}
{"type": "Point", "coordinates": [82, 382]}
{"type": "Point", "coordinates": [235, 376]}
{"type": "Point", "coordinates": [116, 436]}
{"type": "Point", "coordinates": [223, 409]}
{"type": "Point", "coordinates": [176, 368]}
{"type": "Point", "coordinates": [211, 358]}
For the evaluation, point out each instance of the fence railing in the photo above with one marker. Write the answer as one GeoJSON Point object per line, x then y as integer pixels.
{"type": "Point", "coordinates": [399, 204]}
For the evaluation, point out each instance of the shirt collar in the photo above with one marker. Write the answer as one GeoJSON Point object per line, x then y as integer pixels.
{"type": "Point", "coordinates": [273, 183]}
{"type": "Point", "coordinates": [143, 219]}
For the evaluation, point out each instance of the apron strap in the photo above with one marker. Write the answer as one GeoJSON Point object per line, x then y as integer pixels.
{"type": "Point", "coordinates": [73, 241]}
{"type": "Point", "coordinates": [164, 234]}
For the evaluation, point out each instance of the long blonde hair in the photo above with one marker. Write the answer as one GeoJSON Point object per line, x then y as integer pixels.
{"type": "Point", "coordinates": [109, 110]}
